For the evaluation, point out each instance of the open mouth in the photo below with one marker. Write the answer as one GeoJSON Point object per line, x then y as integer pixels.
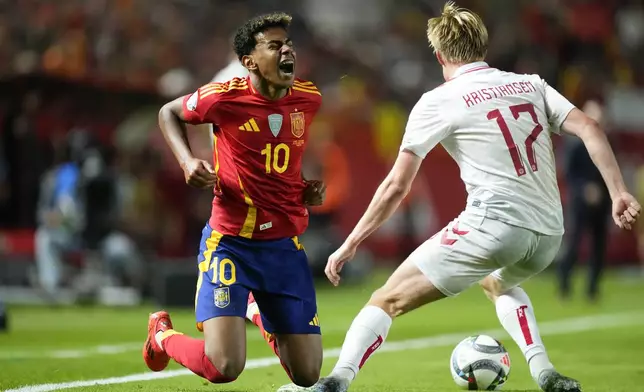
{"type": "Point", "coordinates": [287, 67]}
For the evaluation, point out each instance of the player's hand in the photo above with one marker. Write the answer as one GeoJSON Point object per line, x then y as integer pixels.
{"type": "Point", "coordinates": [198, 173]}
{"type": "Point", "coordinates": [314, 193]}
{"type": "Point", "coordinates": [626, 210]}
{"type": "Point", "coordinates": [337, 260]}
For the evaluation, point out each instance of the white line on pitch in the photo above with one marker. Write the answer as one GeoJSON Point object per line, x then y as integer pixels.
{"type": "Point", "coordinates": [108, 349]}
{"type": "Point", "coordinates": [565, 326]}
{"type": "Point", "coordinates": [103, 349]}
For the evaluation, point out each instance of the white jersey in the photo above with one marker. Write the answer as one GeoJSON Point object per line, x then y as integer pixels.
{"type": "Point", "coordinates": [496, 125]}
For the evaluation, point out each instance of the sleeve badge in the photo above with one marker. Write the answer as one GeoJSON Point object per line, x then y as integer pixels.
{"type": "Point", "coordinates": [191, 104]}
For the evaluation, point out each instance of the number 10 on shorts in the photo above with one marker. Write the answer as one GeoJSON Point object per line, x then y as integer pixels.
{"type": "Point", "coordinates": [223, 271]}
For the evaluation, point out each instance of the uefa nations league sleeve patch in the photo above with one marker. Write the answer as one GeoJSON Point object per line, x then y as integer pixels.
{"type": "Point", "coordinates": [192, 101]}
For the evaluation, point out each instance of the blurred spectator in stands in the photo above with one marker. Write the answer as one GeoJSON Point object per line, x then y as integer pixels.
{"type": "Point", "coordinates": [639, 194]}
{"type": "Point", "coordinates": [139, 204]}
{"type": "Point", "coordinates": [630, 27]}
{"type": "Point", "coordinates": [24, 158]}
{"type": "Point", "coordinates": [113, 252]}
{"type": "Point", "coordinates": [234, 69]}
{"type": "Point", "coordinates": [4, 317]}
{"type": "Point", "coordinates": [77, 212]}
{"type": "Point", "coordinates": [59, 215]}
{"type": "Point", "coordinates": [588, 205]}
{"type": "Point", "coordinates": [327, 161]}
{"type": "Point", "coordinates": [5, 189]}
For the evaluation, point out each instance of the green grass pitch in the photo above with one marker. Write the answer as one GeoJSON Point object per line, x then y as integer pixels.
{"type": "Point", "coordinates": [602, 345]}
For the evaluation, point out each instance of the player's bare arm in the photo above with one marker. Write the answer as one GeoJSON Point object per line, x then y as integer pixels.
{"type": "Point", "coordinates": [385, 201]}
{"type": "Point", "coordinates": [626, 209]}
{"type": "Point", "coordinates": [197, 172]}
{"type": "Point", "coordinates": [425, 129]}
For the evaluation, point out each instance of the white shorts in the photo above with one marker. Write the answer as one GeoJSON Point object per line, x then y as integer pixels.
{"type": "Point", "coordinates": [472, 247]}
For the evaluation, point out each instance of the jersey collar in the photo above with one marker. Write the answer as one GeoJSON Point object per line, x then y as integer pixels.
{"type": "Point", "coordinates": [471, 67]}
{"type": "Point", "coordinates": [256, 93]}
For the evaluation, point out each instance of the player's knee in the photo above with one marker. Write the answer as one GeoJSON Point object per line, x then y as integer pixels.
{"type": "Point", "coordinates": [490, 295]}
{"type": "Point", "coordinates": [492, 288]}
{"type": "Point", "coordinates": [228, 368]}
{"type": "Point", "coordinates": [391, 300]}
{"type": "Point", "coordinates": [301, 356]}
{"type": "Point", "coordinates": [306, 378]}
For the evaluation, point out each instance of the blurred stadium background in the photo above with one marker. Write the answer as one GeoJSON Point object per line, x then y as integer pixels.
{"type": "Point", "coordinates": [94, 210]}
{"type": "Point", "coordinates": [82, 80]}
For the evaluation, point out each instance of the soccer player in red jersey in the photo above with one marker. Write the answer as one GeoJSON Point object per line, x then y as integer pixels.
{"type": "Point", "coordinates": [249, 247]}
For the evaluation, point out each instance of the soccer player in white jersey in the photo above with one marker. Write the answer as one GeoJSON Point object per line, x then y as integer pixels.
{"type": "Point", "coordinates": [496, 125]}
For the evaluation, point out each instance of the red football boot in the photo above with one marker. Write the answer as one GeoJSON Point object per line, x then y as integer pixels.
{"type": "Point", "coordinates": [153, 355]}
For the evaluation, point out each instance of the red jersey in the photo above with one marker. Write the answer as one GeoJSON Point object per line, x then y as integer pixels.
{"type": "Point", "coordinates": [258, 149]}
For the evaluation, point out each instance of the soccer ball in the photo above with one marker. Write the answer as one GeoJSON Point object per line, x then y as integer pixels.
{"type": "Point", "coordinates": [480, 363]}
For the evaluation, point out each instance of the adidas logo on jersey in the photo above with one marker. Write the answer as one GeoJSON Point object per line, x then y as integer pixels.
{"type": "Point", "coordinates": [249, 126]}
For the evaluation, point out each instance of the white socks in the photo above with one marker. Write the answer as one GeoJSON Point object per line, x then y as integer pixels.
{"type": "Point", "coordinates": [516, 314]}
{"type": "Point", "coordinates": [371, 326]}
{"type": "Point", "coordinates": [252, 310]}
{"type": "Point", "coordinates": [367, 333]}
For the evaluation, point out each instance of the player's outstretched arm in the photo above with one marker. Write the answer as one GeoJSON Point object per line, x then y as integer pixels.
{"type": "Point", "coordinates": [625, 208]}
{"type": "Point", "coordinates": [197, 172]}
{"type": "Point", "coordinates": [388, 197]}
{"type": "Point", "coordinates": [426, 128]}
{"type": "Point", "coordinates": [385, 201]}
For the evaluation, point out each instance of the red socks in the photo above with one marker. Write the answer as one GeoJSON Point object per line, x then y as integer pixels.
{"type": "Point", "coordinates": [190, 353]}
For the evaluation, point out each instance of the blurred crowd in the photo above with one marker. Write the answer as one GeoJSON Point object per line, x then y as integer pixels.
{"type": "Point", "coordinates": [137, 43]}
{"type": "Point", "coordinates": [103, 68]}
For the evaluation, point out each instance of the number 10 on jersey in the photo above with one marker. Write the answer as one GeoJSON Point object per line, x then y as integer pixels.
{"type": "Point", "coordinates": [515, 154]}
{"type": "Point", "coordinates": [277, 157]}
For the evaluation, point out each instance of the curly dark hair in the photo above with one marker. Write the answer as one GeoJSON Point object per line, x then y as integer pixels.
{"type": "Point", "coordinates": [244, 41]}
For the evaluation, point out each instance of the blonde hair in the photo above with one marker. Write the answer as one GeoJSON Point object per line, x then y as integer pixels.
{"type": "Point", "coordinates": [459, 35]}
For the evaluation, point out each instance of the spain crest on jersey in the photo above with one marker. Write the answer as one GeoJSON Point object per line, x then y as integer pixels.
{"type": "Point", "coordinates": [298, 123]}
{"type": "Point", "coordinates": [222, 297]}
